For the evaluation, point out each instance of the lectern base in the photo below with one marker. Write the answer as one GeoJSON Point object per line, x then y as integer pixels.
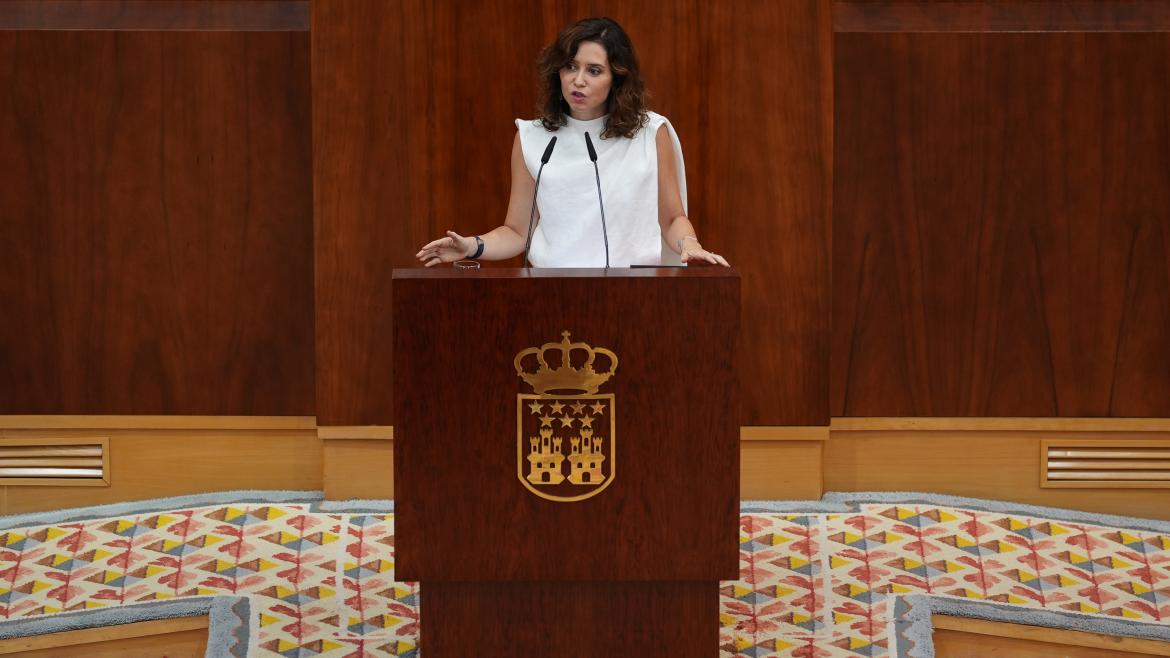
{"type": "Point", "coordinates": [569, 620]}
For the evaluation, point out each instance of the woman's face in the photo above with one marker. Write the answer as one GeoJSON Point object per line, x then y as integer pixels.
{"type": "Point", "coordinates": [585, 81]}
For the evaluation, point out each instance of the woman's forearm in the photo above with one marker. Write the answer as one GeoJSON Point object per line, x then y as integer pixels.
{"type": "Point", "coordinates": [500, 243]}
{"type": "Point", "coordinates": [681, 229]}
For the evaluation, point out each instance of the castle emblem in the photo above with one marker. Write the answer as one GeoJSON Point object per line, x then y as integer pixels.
{"type": "Point", "coordinates": [565, 429]}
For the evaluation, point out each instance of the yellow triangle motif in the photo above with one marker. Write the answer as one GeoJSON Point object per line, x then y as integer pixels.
{"type": "Point", "coordinates": [1127, 538]}
{"type": "Point", "coordinates": [836, 562]}
{"type": "Point", "coordinates": [903, 513]}
{"type": "Point", "coordinates": [857, 643]}
{"type": "Point", "coordinates": [1016, 524]}
{"type": "Point", "coordinates": [266, 619]}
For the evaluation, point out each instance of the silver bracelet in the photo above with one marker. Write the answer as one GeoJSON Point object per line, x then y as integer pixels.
{"type": "Point", "coordinates": [680, 242]}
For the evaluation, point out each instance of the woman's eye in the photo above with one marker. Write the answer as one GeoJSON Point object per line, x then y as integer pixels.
{"type": "Point", "coordinates": [595, 71]}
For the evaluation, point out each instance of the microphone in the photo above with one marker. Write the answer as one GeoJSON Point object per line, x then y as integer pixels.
{"type": "Point", "coordinates": [532, 213]}
{"type": "Point", "coordinates": [597, 174]}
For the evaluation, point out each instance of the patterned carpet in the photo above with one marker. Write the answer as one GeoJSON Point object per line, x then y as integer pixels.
{"type": "Point", "coordinates": [816, 584]}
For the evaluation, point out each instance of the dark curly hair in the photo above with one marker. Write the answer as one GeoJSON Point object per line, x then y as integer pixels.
{"type": "Point", "coordinates": [626, 103]}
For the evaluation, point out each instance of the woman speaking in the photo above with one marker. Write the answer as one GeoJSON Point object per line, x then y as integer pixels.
{"type": "Point", "coordinates": [590, 84]}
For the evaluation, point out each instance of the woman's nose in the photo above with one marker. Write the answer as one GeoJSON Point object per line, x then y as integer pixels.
{"type": "Point", "coordinates": [579, 79]}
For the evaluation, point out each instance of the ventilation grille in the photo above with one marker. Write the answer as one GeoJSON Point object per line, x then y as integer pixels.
{"type": "Point", "coordinates": [1106, 463]}
{"type": "Point", "coordinates": [68, 462]}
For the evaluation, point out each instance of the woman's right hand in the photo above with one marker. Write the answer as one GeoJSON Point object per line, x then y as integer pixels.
{"type": "Point", "coordinates": [446, 250]}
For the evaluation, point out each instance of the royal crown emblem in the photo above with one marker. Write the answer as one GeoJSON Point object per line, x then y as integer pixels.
{"type": "Point", "coordinates": [565, 429]}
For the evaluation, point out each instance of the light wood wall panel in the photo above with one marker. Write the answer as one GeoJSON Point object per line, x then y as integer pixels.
{"type": "Point", "coordinates": [156, 235]}
{"type": "Point", "coordinates": [1001, 237]}
{"type": "Point", "coordinates": [153, 463]}
{"type": "Point", "coordinates": [420, 143]}
{"type": "Point", "coordinates": [979, 462]}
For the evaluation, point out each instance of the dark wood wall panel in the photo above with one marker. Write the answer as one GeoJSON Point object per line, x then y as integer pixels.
{"type": "Point", "coordinates": [767, 186]}
{"type": "Point", "coordinates": [1001, 16]}
{"type": "Point", "coordinates": [413, 109]}
{"type": "Point", "coordinates": [156, 232]}
{"type": "Point", "coordinates": [214, 15]}
{"type": "Point", "coordinates": [1001, 225]}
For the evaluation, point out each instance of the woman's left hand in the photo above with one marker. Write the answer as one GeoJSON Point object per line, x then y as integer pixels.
{"type": "Point", "coordinates": [697, 255]}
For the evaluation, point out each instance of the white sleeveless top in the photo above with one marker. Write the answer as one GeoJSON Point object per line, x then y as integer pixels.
{"type": "Point", "coordinates": [569, 230]}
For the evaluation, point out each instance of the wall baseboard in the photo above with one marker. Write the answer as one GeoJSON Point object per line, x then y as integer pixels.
{"type": "Point", "coordinates": [993, 458]}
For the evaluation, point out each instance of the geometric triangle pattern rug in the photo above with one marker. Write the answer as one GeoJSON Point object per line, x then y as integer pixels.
{"type": "Point", "coordinates": [820, 583]}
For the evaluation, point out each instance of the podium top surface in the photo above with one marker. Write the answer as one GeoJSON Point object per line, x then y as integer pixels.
{"type": "Point", "coordinates": [703, 272]}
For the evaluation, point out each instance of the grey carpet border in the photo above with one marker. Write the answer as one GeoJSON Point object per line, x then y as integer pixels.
{"type": "Point", "coordinates": [357, 506]}
{"type": "Point", "coordinates": [839, 502]}
{"type": "Point", "coordinates": [830, 503]}
{"type": "Point", "coordinates": [156, 505]}
{"type": "Point", "coordinates": [913, 629]}
{"type": "Point", "coordinates": [228, 629]}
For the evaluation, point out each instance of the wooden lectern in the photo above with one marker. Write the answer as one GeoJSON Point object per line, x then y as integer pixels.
{"type": "Point", "coordinates": [567, 506]}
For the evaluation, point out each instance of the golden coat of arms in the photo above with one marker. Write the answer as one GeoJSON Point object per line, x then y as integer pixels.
{"type": "Point", "coordinates": [565, 429]}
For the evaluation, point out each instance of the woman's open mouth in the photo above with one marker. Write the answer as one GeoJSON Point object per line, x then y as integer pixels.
{"type": "Point", "coordinates": [578, 96]}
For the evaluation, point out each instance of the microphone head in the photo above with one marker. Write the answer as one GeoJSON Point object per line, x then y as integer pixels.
{"type": "Point", "coordinates": [548, 150]}
{"type": "Point", "coordinates": [589, 145]}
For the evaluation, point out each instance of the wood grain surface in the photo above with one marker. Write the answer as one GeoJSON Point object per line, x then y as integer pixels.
{"type": "Point", "coordinates": [1001, 238]}
{"type": "Point", "coordinates": [186, 15]}
{"type": "Point", "coordinates": [156, 233]}
{"type": "Point", "coordinates": [413, 108]}
{"type": "Point", "coordinates": [996, 16]}
{"type": "Point", "coordinates": [455, 445]}
{"type": "Point", "coordinates": [570, 620]}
